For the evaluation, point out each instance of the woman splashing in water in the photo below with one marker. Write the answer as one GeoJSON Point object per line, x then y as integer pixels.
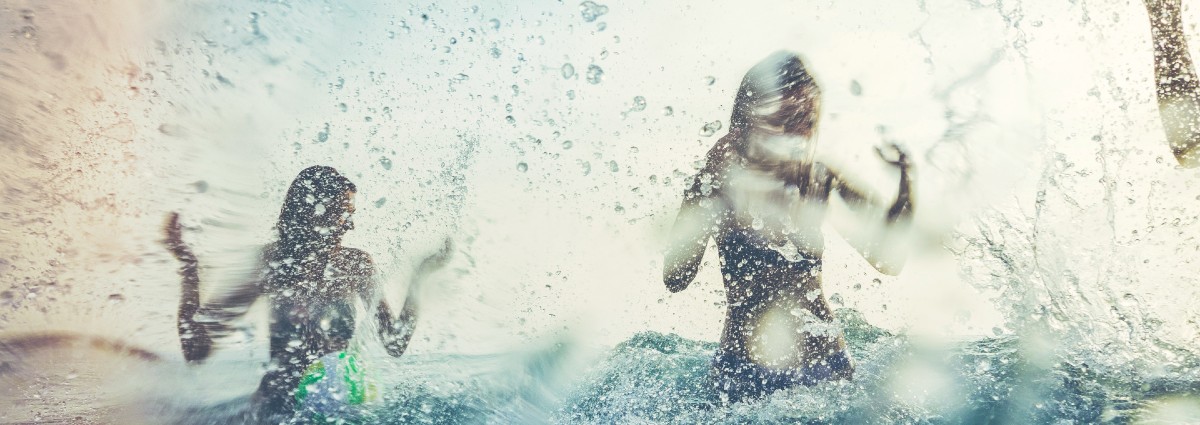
{"type": "Point", "coordinates": [312, 282]}
{"type": "Point", "coordinates": [763, 195]}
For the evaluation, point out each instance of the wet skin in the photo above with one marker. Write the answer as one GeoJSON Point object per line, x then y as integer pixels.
{"type": "Point", "coordinates": [1176, 82]}
{"type": "Point", "coordinates": [765, 217]}
{"type": "Point", "coordinates": [304, 319]}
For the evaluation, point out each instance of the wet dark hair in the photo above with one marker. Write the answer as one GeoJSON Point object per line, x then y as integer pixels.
{"type": "Point", "coordinates": [779, 78]}
{"type": "Point", "coordinates": [308, 227]}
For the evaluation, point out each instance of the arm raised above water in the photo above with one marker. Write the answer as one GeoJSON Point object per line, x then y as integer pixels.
{"type": "Point", "coordinates": [697, 220]}
{"type": "Point", "coordinates": [397, 332]}
{"type": "Point", "coordinates": [196, 334]}
{"type": "Point", "coordinates": [1176, 82]}
{"type": "Point", "coordinates": [876, 236]}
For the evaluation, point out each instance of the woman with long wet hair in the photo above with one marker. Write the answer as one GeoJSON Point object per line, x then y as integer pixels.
{"type": "Point", "coordinates": [311, 281]}
{"type": "Point", "coordinates": [762, 197]}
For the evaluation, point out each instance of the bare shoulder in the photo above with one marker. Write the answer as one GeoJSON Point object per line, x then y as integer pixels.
{"type": "Point", "coordinates": [720, 154]}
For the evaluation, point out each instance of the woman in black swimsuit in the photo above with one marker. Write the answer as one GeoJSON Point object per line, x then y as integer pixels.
{"type": "Point", "coordinates": [313, 284]}
{"type": "Point", "coordinates": [762, 197]}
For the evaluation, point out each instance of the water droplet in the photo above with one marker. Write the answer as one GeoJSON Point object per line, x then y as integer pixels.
{"type": "Point", "coordinates": [612, 166]}
{"type": "Point", "coordinates": [495, 23]}
{"type": "Point", "coordinates": [511, 120]}
{"type": "Point", "coordinates": [710, 80]}
{"type": "Point", "coordinates": [594, 74]}
{"type": "Point", "coordinates": [668, 111]}
{"type": "Point", "coordinates": [201, 186]}
{"type": "Point", "coordinates": [379, 202]}
{"type": "Point", "coordinates": [568, 70]}
{"type": "Point", "coordinates": [522, 167]}
{"type": "Point", "coordinates": [711, 128]}
{"type": "Point", "coordinates": [385, 162]}
{"type": "Point", "coordinates": [571, 94]}
{"type": "Point", "coordinates": [876, 281]}
{"type": "Point", "coordinates": [116, 299]}
{"type": "Point", "coordinates": [639, 104]}
{"type": "Point", "coordinates": [590, 10]}
{"type": "Point", "coordinates": [567, 144]}
{"type": "Point", "coordinates": [323, 135]}
{"type": "Point", "coordinates": [756, 224]}
{"type": "Point", "coordinates": [495, 52]}
{"type": "Point", "coordinates": [855, 88]}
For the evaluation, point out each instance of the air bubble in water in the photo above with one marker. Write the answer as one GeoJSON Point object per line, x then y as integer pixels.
{"type": "Point", "coordinates": [568, 70]}
{"type": "Point", "coordinates": [590, 10]}
{"type": "Point", "coordinates": [595, 74]}
{"type": "Point", "coordinates": [711, 128]}
{"type": "Point", "coordinates": [639, 103]}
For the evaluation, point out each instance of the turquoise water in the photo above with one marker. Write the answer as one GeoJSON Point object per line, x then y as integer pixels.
{"type": "Point", "coordinates": [662, 379]}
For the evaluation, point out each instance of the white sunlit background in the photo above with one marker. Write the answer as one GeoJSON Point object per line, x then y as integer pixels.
{"type": "Point", "coordinates": [1053, 277]}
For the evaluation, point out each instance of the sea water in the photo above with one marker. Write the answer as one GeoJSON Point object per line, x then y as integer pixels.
{"type": "Point", "coordinates": [655, 378]}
